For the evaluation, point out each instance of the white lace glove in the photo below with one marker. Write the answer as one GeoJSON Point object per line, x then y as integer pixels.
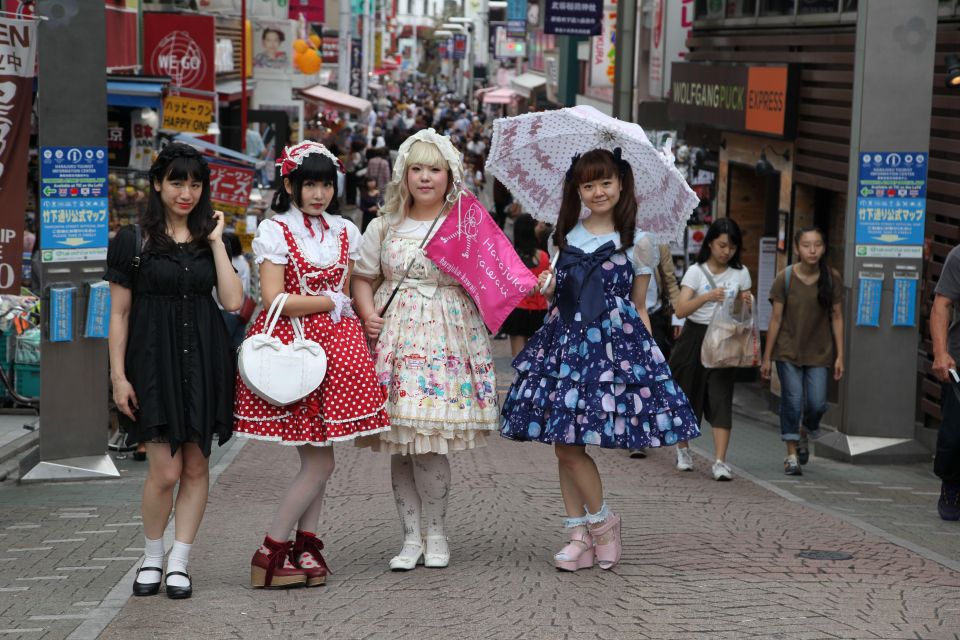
{"type": "Point", "coordinates": [342, 306]}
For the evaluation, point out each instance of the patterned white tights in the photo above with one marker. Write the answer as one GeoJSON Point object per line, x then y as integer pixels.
{"type": "Point", "coordinates": [421, 487]}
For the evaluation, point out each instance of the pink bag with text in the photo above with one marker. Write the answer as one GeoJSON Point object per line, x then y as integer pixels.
{"type": "Point", "coordinates": [471, 247]}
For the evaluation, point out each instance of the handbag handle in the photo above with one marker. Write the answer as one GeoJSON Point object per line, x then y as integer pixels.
{"type": "Point", "coordinates": [273, 316]}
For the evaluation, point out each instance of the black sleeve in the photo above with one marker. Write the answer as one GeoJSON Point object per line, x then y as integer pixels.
{"type": "Point", "coordinates": [120, 257]}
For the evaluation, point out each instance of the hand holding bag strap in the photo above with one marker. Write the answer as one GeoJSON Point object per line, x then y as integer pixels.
{"type": "Point", "coordinates": [707, 275]}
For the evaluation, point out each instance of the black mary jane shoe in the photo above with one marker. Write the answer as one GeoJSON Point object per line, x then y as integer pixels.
{"type": "Point", "coordinates": [147, 589]}
{"type": "Point", "coordinates": [178, 593]}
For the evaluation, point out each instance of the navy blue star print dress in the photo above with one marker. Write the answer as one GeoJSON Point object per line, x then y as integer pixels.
{"type": "Point", "coordinates": [593, 374]}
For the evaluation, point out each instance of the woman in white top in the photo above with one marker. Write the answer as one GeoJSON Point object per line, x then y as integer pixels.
{"type": "Point", "coordinates": [717, 274]}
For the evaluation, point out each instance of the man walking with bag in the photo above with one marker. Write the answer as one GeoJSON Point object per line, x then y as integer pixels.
{"type": "Point", "coordinates": [945, 334]}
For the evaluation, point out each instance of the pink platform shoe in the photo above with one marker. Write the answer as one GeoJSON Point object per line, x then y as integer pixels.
{"type": "Point", "coordinates": [578, 553]}
{"type": "Point", "coordinates": [606, 541]}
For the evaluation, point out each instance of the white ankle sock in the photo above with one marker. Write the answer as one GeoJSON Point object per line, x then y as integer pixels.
{"type": "Point", "coordinates": [177, 561]}
{"type": "Point", "coordinates": [153, 557]}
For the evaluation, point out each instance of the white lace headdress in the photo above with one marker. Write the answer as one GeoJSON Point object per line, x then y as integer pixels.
{"type": "Point", "coordinates": [294, 155]}
{"type": "Point", "coordinates": [447, 150]}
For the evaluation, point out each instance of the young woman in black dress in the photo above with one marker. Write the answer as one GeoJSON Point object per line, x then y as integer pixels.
{"type": "Point", "coordinates": [170, 357]}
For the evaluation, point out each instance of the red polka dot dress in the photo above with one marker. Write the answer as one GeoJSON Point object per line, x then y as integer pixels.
{"type": "Point", "coordinates": [350, 402]}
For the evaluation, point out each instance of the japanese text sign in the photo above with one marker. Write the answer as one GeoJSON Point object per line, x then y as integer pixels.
{"type": "Point", "coordinates": [230, 186]}
{"type": "Point", "coordinates": [73, 203]}
{"type": "Point", "coordinates": [573, 17]}
{"type": "Point", "coordinates": [190, 115]}
{"type": "Point", "coordinates": [891, 204]}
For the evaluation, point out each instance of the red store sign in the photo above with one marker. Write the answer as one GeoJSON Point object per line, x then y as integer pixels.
{"type": "Point", "coordinates": [181, 47]}
{"type": "Point", "coordinates": [230, 186]}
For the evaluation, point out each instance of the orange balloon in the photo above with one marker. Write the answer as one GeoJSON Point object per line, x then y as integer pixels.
{"type": "Point", "coordinates": [315, 40]}
{"type": "Point", "coordinates": [310, 62]}
{"type": "Point", "coordinates": [298, 59]}
{"type": "Point", "coordinates": [300, 45]}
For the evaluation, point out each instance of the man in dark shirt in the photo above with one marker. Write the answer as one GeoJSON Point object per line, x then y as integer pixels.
{"type": "Point", "coordinates": [945, 335]}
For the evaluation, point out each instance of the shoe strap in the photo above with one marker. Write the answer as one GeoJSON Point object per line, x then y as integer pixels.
{"type": "Point", "coordinates": [178, 573]}
{"type": "Point", "coordinates": [157, 569]}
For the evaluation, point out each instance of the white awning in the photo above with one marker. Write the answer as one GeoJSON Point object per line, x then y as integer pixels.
{"type": "Point", "coordinates": [230, 90]}
{"type": "Point", "coordinates": [526, 83]}
{"type": "Point", "coordinates": [501, 95]}
{"type": "Point", "coordinates": [337, 99]}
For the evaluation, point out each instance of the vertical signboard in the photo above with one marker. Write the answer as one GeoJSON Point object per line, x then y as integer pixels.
{"type": "Point", "coordinates": [603, 50]}
{"type": "Point", "coordinates": [18, 40]}
{"type": "Point", "coordinates": [891, 204]}
{"type": "Point", "coordinates": [672, 23]}
{"type": "Point", "coordinates": [581, 18]}
{"type": "Point", "coordinates": [73, 203]}
{"type": "Point", "coordinates": [181, 47]}
{"type": "Point", "coordinates": [517, 18]}
{"type": "Point", "coordinates": [356, 66]}
{"type": "Point", "coordinates": [459, 46]}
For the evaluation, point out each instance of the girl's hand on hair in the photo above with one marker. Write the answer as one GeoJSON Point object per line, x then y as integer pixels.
{"type": "Point", "coordinates": [217, 234]}
{"type": "Point", "coordinates": [373, 325]}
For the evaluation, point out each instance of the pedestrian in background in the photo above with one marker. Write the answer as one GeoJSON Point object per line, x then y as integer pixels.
{"type": "Point", "coordinates": [232, 319]}
{"type": "Point", "coordinates": [945, 336]}
{"type": "Point", "coordinates": [717, 275]}
{"type": "Point", "coordinates": [378, 167]}
{"type": "Point", "coordinates": [432, 351]}
{"type": "Point", "coordinates": [805, 339]}
{"type": "Point", "coordinates": [527, 318]}
{"type": "Point", "coordinates": [592, 375]}
{"type": "Point", "coordinates": [307, 251]}
{"type": "Point", "coordinates": [370, 202]}
{"type": "Point", "coordinates": [661, 299]}
{"type": "Point", "coordinates": [171, 363]}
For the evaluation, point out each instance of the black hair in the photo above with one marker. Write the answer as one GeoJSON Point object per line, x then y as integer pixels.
{"type": "Point", "coordinates": [720, 227]}
{"type": "Point", "coordinates": [598, 164]}
{"type": "Point", "coordinates": [276, 31]}
{"type": "Point", "coordinates": [525, 239]}
{"type": "Point", "coordinates": [232, 243]}
{"type": "Point", "coordinates": [825, 282]}
{"type": "Point", "coordinates": [178, 161]}
{"type": "Point", "coordinates": [314, 168]}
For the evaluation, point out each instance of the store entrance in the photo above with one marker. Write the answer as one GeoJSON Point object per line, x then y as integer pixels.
{"type": "Point", "coordinates": [752, 201]}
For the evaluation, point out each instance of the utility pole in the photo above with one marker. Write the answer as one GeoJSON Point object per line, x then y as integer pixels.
{"type": "Point", "coordinates": [343, 59]}
{"type": "Point", "coordinates": [623, 70]}
{"type": "Point", "coordinates": [366, 48]}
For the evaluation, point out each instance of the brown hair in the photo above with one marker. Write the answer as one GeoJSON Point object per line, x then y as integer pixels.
{"type": "Point", "coordinates": [598, 165]}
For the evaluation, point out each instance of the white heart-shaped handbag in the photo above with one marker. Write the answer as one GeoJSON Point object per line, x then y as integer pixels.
{"type": "Point", "coordinates": [281, 373]}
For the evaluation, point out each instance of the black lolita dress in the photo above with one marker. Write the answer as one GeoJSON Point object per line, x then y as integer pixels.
{"type": "Point", "coordinates": [179, 359]}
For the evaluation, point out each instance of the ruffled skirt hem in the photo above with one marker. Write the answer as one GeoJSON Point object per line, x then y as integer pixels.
{"type": "Point", "coordinates": [405, 440]}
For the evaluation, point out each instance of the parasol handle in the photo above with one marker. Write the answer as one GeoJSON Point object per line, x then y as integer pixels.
{"type": "Point", "coordinates": [553, 264]}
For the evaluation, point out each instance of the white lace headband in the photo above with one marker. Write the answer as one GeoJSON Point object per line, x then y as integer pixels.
{"type": "Point", "coordinates": [293, 156]}
{"type": "Point", "coordinates": [443, 144]}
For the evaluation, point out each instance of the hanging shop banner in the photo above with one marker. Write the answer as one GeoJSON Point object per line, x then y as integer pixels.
{"type": "Point", "coordinates": [573, 17]}
{"type": "Point", "coordinates": [891, 204]}
{"type": "Point", "coordinates": [672, 23]}
{"type": "Point", "coordinates": [311, 10]}
{"type": "Point", "coordinates": [181, 47]}
{"type": "Point", "coordinates": [330, 47]}
{"type": "Point", "coordinates": [868, 297]}
{"type": "Point", "coordinates": [121, 31]}
{"type": "Point", "coordinates": [230, 187]}
{"type": "Point", "coordinates": [517, 18]}
{"type": "Point", "coordinates": [273, 48]}
{"type": "Point", "coordinates": [189, 115]}
{"type": "Point", "coordinates": [143, 135]}
{"type": "Point", "coordinates": [356, 66]}
{"type": "Point", "coordinates": [905, 283]}
{"type": "Point", "coordinates": [736, 97]}
{"type": "Point", "coordinates": [118, 136]}
{"type": "Point", "coordinates": [459, 46]}
{"type": "Point", "coordinates": [603, 51]}
{"type": "Point", "coordinates": [73, 203]}
{"type": "Point", "coordinates": [18, 48]}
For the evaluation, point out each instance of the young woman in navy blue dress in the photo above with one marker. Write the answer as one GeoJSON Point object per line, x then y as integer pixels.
{"type": "Point", "coordinates": [593, 374]}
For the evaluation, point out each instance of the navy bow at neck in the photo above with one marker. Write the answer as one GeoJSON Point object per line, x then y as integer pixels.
{"type": "Point", "coordinates": [583, 286]}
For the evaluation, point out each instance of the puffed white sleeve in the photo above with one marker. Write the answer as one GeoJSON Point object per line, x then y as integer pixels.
{"type": "Point", "coordinates": [644, 254]}
{"type": "Point", "coordinates": [355, 238]}
{"type": "Point", "coordinates": [368, 263]}
{"type": "Point", "coordinates": [269, 244]}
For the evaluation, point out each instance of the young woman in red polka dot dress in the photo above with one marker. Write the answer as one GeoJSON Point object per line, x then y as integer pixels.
{"type": "Point", "coordinates": [309, 253]}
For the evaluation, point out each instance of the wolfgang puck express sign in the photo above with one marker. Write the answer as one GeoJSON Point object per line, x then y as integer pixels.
{"type": "Point", "coordinates": [735, 97]}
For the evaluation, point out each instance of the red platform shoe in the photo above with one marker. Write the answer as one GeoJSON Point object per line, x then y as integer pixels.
{"type": "Point", "coordinates": [313, 565]}
{"type": "Point", "coordinates": [271, 566]}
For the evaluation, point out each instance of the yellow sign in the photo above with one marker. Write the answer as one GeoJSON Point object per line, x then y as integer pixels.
{"type": "Point", "coordinates": [377, 50]}
{"type": "Point", "coordinates": [190, 115]}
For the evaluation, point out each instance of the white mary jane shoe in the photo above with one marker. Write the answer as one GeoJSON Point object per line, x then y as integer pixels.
{"type": "Point", "coordinates": [436, 558]}
{"type": "Point", "coordinates": [409, 557]}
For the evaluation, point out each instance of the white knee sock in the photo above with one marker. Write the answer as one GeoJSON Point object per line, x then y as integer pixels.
{"type": "Point", "coordinates": [153, 557]}
{"type": "Point", "coordinates": [177, 561]}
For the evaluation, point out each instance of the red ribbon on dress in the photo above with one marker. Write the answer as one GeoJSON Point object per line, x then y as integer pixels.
{"type": "Point", "coordinates": [309, 225]}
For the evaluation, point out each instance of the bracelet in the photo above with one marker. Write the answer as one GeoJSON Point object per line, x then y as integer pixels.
{"type": "Point", "coordinates": [342, 306]}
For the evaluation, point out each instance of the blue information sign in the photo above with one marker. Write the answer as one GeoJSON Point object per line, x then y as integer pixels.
{"type": "Point", "coordinates": [868, 302]}
{"type": "Point", "coordinates": [891, 202]}
{"type": "Point", "coordinates": [904, 301]}
{"type": "Point", "coordinates": [74, 214]}
{"type": "Point", "coordinates": [516, 17]}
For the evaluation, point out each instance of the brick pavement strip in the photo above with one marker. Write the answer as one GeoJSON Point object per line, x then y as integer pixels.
{"type": "Point", "coordinates": [701, 560]}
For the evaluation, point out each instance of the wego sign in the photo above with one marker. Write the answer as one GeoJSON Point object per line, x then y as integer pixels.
{"type": "Point", "coordinates": [180, 47]}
